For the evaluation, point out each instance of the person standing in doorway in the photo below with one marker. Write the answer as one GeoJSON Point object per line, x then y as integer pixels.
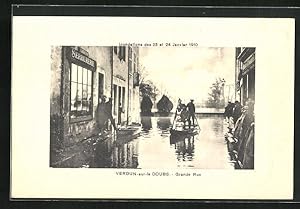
{"type": "Point", "coordinates": [101, 115]}
{"type": "Point", "coordinates": [237, 111]}
{"type": "Point", "coordinates": [191, 110]}
{"type": "Point", "coordinates": [108, 110]}
{"type": "Point", "coordinates": [229, 110]}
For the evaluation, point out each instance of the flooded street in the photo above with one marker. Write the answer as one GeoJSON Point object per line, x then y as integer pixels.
{"type": "Point", "coordinates": [155, 148]}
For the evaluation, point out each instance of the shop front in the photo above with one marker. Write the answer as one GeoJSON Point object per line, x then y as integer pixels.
{"type": "Point", "coordinates": [80, 75]}
{"type": "Point", "coordinates": [246, 74]}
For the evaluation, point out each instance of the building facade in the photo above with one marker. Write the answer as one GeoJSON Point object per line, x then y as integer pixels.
{"type": "Point", "coordinates": [125, 92]}
{"type": "Point", "coordinates": [245, 74]}
{"type": "Point", "coordinates": [82, 75]}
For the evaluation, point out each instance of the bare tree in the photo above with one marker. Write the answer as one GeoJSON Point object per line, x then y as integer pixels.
{"type": "Point", "coordinates": [147, 87]}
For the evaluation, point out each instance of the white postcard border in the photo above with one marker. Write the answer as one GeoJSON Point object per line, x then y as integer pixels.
{"type": "Point", "coordinates": [272, 178]}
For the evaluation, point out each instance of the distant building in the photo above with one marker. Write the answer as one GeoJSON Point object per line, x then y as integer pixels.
{"type": "Point", "coordinates": [245, 74]}
{"type": "Point", "coordinates": [79, 77]}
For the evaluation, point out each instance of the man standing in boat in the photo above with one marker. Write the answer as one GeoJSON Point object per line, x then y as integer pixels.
{"type": "Point", "coordinates": [191, 109]}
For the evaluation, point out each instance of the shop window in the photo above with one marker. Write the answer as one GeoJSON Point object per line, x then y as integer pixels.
{"type": "Point", "coordinates": [81, 91]}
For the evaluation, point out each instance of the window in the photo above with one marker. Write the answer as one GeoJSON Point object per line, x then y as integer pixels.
{"type": "Point", "coordinates": [115, 99]}
{"type": "Point", "coordinates": [115, 49]}
{"type": "Point", "coordinates": [134, 63]}
{"type": "Point", "coordinates": [81, 91]}
{"type": "Point", "coordinates": [123, 97]}
{"type": "Point", "coordinates": [122, 53]}
{"type": "Point", "coordinates": [136, 79]}
{"type": "Point", "coordinates": [119, 96]}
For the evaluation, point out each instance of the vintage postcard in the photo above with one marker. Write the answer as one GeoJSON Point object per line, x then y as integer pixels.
{"type": "Point", "coordinates": [152, 107]}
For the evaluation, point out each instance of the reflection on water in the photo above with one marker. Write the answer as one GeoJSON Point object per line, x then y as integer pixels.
{"type": "Point", "coordinates": [113, 153]}
{"type": "Point", "coordinates": [164, 123]}
{"type": "Point", "coordinates": [155, 148]}
{"type": "Point", "coordinates": [146, 123]}
{"type": "Point", "coordinates": [184, 146]}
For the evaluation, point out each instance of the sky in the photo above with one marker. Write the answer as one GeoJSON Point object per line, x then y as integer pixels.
{"type": "Point", "coordinates": [187, 73]}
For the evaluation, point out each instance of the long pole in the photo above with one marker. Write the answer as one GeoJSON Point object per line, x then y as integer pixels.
{"type": "Point", "coordinates": [174, 119]}
{"type": "Point", "coordinates": [197, 122]}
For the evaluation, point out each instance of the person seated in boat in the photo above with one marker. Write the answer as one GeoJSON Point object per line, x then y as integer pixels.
{"type": "Point", "coordinates": [183, 113]}
{"type": "Point", "coordinates": [181, 110]}
{"type": "Point", "coordinates": [181, 106]}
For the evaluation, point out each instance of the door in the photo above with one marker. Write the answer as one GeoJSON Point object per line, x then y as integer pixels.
{"type": "Point", "coordinates": [100, 85]}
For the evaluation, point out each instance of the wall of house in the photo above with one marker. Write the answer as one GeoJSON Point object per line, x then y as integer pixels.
{"type": "Point", "coordinates": [135, 110]}
{"type": "Point", "coordinates": [67, 131]}
{"type": "Point", "coordinates": [120, 78]}
{"type": "Point", "coordinates": [56, 120]}
{"type": "Point", "coordinates": [103, 57]}
{"type": "Point", "coordinates": [72, 132]}
{"type": "Point", "coordinates": [55, 82]}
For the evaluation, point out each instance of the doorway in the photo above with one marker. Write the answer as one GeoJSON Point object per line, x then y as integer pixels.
{"type": "Point", "coordinates": [100, 85]}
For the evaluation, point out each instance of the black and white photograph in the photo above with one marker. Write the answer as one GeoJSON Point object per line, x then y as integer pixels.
{"type": "Point", "coordinates": [113, 104]}
{"type": "Point", "coordinates": [152, 107]}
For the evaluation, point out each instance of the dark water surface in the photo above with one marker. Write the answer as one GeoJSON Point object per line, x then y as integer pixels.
{"type": "Point", "coordinates": [155, 148]}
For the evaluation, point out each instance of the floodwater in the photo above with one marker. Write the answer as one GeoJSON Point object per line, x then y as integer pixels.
{"type": "Point", "coordinates": [155, 148]}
